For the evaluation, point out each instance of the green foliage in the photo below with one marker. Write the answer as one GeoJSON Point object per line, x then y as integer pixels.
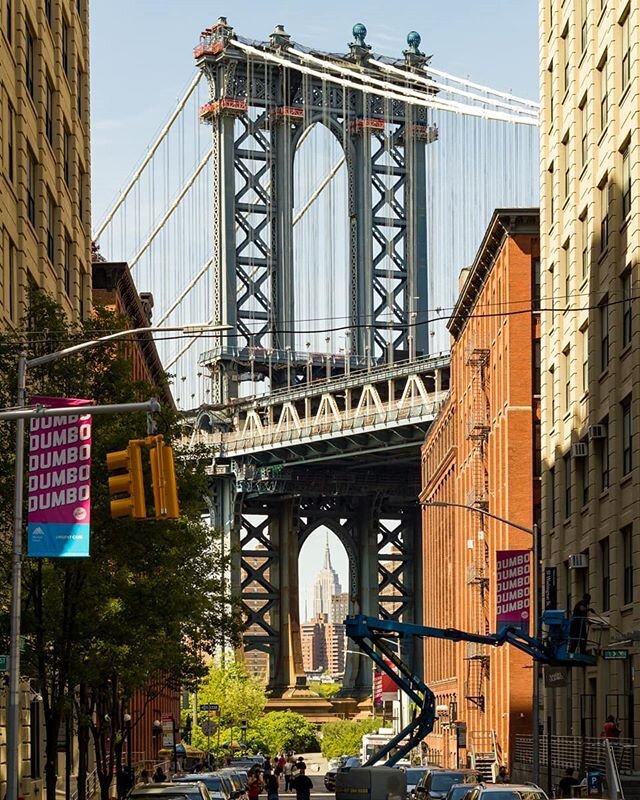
{"type": "Point", "coordinates": [240, 697]}
{"type": "Point", "coordinates": [151, 598]}
{"type": "Point", "coordinates": [327, 690]}
{"type": "Point", "coordinates": [282, 732]}
{"type": "Point", "coordinates": [344, 737]}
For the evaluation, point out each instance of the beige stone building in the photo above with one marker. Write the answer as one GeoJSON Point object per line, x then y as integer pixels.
{"type": "Point", "coordinates": [590, 340]}
{"type": "Point", "coordinates": [45, 229]}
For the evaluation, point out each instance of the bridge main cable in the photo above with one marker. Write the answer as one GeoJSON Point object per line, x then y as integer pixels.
{"type": "Point", "coordinates": [150, 154]}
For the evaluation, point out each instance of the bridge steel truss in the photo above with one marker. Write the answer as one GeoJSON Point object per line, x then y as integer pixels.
{"type": "Point", "coordinates": [259, 111]}
{"type": "Point", "coordinates": [336, 442]}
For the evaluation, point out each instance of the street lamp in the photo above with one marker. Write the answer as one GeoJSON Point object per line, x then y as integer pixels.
{"type": "Point", "coordinates": [127, 727]}
{"type": "Point", "coordinates": [24, 363]}
{"type": "Point", "coordinates": [536, 583]}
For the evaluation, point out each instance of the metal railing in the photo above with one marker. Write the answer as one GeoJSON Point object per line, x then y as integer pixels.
{"type": "Point", "coordinates": [581, 753]}
{"type": "Point", "coordinates": [92, 785]}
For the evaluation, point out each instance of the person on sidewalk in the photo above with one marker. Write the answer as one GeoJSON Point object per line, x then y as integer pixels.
{"type": "Point", "coordinates": [288, 774]}
{"type": "Point", "coordinates": [567, 782]}
{"type": "Point", "coordinates": [272, 786]}
{"type": "Point", "coordinates": [610, 729]}
{"type": "Point", "coordinates": [302, 784]}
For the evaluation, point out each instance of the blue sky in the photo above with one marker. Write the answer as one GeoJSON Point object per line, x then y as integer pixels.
{"type": "Point", "coordinates": [141, 59]}
{"type": "Point", "coordinates": [141, 63]}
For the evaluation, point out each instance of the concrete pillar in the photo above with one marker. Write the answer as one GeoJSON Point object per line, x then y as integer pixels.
{"type": "Point", "coordinates": [417, 301]}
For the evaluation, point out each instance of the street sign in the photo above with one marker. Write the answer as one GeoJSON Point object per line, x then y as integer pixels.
{"type": "Point", "coordinates": [209, 707]}
{"type": "Point", "coordinates": [208, 727]}
{"type": "Point", "coordinates": [4, 663]}
{"type": "Point", "coordinates": [612, 654]}
{"type": "Point", "coordinates": [555, 677]}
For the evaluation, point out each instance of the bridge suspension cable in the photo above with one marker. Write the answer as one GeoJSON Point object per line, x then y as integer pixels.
{"type": "Point", "coordinates": [150, 154]}
{"type": "Point", "coordinates": [393, 92]}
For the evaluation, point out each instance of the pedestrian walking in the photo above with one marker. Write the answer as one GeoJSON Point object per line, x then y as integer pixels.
{"type": "Point", "coordinates": [254, 785]}
{"type": "Point", "coordinates": [288, 774]}
{"type": "Point", "coordinates": [272, 786]}
{"type": "Point", "coordinates": [567, 782]}
{"type": "Point", "coordinates": [610, 729]}
{"type": "Point", "coordinates": [503, 775]}
{"type": "Point", "coordinates": [302, 784]}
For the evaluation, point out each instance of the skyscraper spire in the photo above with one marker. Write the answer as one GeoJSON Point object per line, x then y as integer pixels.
{"type": "Point", "coordinates": [327, 555]}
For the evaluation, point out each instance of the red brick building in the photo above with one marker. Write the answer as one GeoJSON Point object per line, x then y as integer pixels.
{"type": "Point", "coordinates": [478, 454]}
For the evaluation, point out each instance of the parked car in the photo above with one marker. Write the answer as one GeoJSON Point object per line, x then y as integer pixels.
{"type": "Point", "coordinates": [458, 791]}
{"type": "Point", "coordinates": [413, 778]}
{"type": "Point", "coordinates": [238, 780]}
{"type": "Point", "coordinates": [435, 784]}
{"type": "Point", "coordinates": [506, 791]}
{"type": "Point", "coordinates": [219, 786]}
{"type": "Point", "coordinates": [345, 763]}
{"type": "Point", "coordinates": [195, 790]}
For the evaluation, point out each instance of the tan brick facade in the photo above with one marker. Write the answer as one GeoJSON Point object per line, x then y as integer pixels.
{"type": "Point", "coordinates": [45, 220]}
{"type": "Point", "coordinates": [479, 453]}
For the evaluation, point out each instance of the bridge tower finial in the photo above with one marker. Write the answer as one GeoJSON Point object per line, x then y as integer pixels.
{"type": "Point", "coordinates": [413, 56]}
{"type": "Point", "coordinates": [359, 48]}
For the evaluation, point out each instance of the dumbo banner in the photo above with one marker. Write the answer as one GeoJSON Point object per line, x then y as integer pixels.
{"type": "Point", "coordinates": [59, 509]}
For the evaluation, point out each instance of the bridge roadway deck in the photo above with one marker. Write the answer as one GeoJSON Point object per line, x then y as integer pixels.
{"type": "Point", "coordinates": [384, 410]}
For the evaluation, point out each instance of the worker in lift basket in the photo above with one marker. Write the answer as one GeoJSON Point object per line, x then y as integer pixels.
{"type": "Point", "coordinates": [579, 627]}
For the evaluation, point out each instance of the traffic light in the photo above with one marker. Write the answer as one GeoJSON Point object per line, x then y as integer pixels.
{"type": "Point", "coordinates": [163, 479]}
{"type": "Point", "coordinates": [129, 482]}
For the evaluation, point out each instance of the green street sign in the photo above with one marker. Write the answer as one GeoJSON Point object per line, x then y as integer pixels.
{"type": "Point", "coordinates": [615, 655]}
{"type": "Point", "coordinates": [4, 663]}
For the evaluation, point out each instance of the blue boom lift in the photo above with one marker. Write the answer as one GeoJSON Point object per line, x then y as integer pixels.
{"type": "Point", "coordinates": [376, 638]}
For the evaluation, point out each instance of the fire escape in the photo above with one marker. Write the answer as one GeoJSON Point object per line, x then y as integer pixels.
{"type": "Point", "coordinates": [477, 655]}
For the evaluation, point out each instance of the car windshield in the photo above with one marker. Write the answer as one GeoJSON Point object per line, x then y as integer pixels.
{"type": "Point", "coordinates": [212, 782]}
{"type": "Point", "coordinates": [441, 781]}
{"type": "Point", "coordinates": [514, 794]}
{"type": "Point", "coordinates": [413, 776]}
{"type": "Point", "coordinates": [457, 792]}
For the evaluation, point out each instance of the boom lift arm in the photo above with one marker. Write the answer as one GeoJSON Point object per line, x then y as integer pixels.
{"type": "Point", "coordinates": [375, 636]}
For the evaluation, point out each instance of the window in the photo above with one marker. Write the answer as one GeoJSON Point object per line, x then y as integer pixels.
{"type": "Point", "coordinates": [48, 112]}
{"type": "Point", "coordinates": [566, 271]}
{"type": "Point", "coordinates": [603, 456]}
{"type": "Point", "coordinates": [604, 92]}
{"type": "Point", "coordinates": [626, 50]}
{"type": "Point", "coordinates": [604, 215]}
{"type": "Point", "coordinates": [550, 93]}
{"type": "Point", "coordinates": [566, 368]}
{"type": "Point", "coordinates": [28, 64]}
{"type": "Point", "coordinates": [584, 352]}
{"type": "Point", "coordinates": [67, 264]}
{"type": "Point", "coordinates": [65, 48]}
{"type": "Point", "coordinates": [584, 124]}
{"type": "Point", "coordinates": [582, 466]}
{"type": "Point", "coordinates": [605, 575]}
{"type": "Point", "coordinates": [12, 281]}
{"type": "Point", "coordinates": [583, 27]}
{"type": "Point", "coordinates": [552, 394]}
{"type": "Point", "coordinates": [79, 85]}
{"type": "Point", "coordinates": [31, 186]}
{"type": "Point", "coordinates": [550, 194]}
{"type": "Point", "coordinates": [9, 21]}
{"type": "Point", "coordinates": [627, 436]}
{"type": "Point", "coordinates": [566, 467]}
{"type": "Point", "coordinates": [47, 10]}
{"type": "Point", "coordinates": [11, 125]}
{"type": "Point", "coordinates": [66, 154]}
{"type": "Point", "coordinates": [565, 60]}
{"type": "Point", "coordinates": [604, 334]}
{"type": "Point", "coordinates": [536, 367]}
{"type": "Point", "coordinates": [584, 235]}
{"type": "Point", "coordinates": [51, 222]}
{"type": "Point", "coordinates": [627, 564]}
{"type": "Point", "coordinates": [627, 307]}
{"type": "Point", "coordinates": [567, 169]}
{"type": "Point", "coordinates": [552, 496]}
{"type": "Point", "coordinates": [626, 181]}
{"type": "Point", "coordinates": [82, 180]}
{"type": "Point", "coordinates": [535, 304]}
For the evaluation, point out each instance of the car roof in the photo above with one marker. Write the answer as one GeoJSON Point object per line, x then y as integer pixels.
{"type": "Point", "coordinates": [175, 788]}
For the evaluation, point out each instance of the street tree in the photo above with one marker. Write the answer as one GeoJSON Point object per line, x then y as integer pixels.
{"type": "Point", "coordinates": [344, 737]}
{"type": "Point", "coordinates": [150, 599]}
{"type": "Point", "coordinates": [282, 732]}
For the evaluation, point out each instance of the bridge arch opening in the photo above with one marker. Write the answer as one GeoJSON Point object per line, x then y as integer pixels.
{"type": "Point", "coordinates": [321, 241]}
{"type": "Point", "coordinates": [324, 593]}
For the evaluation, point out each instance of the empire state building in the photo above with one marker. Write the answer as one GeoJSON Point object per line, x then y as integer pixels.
{"type": "Point", "coordinates": [325, 586]}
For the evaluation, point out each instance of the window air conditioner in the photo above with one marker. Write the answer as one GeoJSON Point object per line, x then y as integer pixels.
{"type": "Point", "coordinates": [597, 431]}
{"type": "Point", "coordinates": [579, 450]}
{"type": "Point", "coordinates": [578, 561]}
